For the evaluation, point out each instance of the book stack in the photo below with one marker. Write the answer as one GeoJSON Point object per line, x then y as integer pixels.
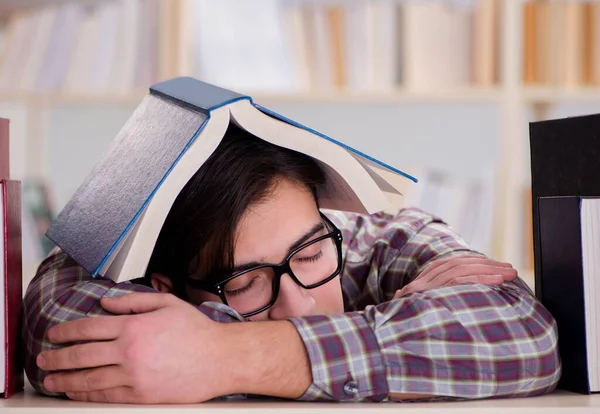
{"type": "Point", "coordinates": [82, 48]}
{"type": "Point", "coordinates": [11, 365]}
{"type": "Point", "coordinates": [565, 166]}
{"type": "Point", "coordinates": [268, 46]}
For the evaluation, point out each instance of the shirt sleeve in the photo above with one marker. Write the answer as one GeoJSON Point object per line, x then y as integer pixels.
{"type": "Point", "coordinates": [385, 252]}
{"type": "Point", "coordinates": [62, 291]}
{"type": "Point", "coordinates": [456, 342]}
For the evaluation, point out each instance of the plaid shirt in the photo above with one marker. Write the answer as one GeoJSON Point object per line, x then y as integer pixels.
{"type": "Point", "coordinates": [456, 342]}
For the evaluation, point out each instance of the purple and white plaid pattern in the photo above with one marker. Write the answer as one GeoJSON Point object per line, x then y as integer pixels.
{"type": "Point", "coordinates": [456, 342]}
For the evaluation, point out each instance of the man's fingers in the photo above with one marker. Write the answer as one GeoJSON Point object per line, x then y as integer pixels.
{"type": "Point", "coordinates": [124, 395]}
{"type": "Point", "coordinates": [100, 328]}
{"type": "Point", "coordinates": [401, 292]}
{"type": "Point", "coordinates": [449, 264]}
{"type": "Point", "coordinates": [137, 303]}
{"type": "Point", "coordinates": [450, 278]}
{"type": "Point", "coordinates": [89, 355]}
{"type": "Point", "coordinates": [86, 380]}
{"type": "Point", "coordinates": [474, 270]}
{"type": "Point", "coordinates": [477, 279]}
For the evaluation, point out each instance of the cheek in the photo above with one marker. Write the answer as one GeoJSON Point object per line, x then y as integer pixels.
{"type": "Point", "coordinates": [329, 298]}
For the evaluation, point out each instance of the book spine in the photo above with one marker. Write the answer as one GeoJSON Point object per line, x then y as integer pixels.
{"type": "Point", "coordinates": [13, 287]}
{"type": "Point", "coordinates": [562, 290]}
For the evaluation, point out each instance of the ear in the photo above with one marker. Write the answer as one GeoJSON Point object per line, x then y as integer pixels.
{"type": "Point", "coordinates": [161, 283]}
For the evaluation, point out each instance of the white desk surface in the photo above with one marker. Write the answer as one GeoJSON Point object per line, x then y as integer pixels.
{"type": "Point", "coordinates": [558, 402]}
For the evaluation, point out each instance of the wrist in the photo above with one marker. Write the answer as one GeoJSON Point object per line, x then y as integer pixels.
{"type": "Point", "coordinates": [265, 358]}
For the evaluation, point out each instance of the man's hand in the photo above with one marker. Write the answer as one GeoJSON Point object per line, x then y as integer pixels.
{"type": "Point", "coordinates": [459, 270]}
{"type": "Point", "coordinates": [165, 352]}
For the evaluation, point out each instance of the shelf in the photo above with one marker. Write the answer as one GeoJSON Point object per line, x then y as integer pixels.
{"type": "Point", "coordinates": [551, 95]}
{"type": "Point", "coordinates": [534, 95]}
{"type": "Point", "coordinates": [398, 95]}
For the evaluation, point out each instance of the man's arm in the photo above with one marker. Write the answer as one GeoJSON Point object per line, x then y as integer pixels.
{"type": "Point", "coordinates": [62, 291]}
{"type": "Point", "coordinates": [469, 341]}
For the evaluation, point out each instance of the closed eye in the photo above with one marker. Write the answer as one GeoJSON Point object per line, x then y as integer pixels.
{"type": "Point", "coordinates": [312, 258]}
{"type": "Point", "coordinates": [243, 289]}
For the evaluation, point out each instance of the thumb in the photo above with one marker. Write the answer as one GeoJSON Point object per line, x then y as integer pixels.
{"type": "Point", "coordinates": [136, 303]}
{"type": "Point", "coordinates": [401, 292]}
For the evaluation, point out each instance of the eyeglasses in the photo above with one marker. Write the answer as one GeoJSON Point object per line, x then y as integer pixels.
{"type": "Point", "coordinates": [254, 290]}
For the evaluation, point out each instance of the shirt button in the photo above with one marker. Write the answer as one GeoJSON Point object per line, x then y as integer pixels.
{"type": "Point", "coordinates": [351, 388]}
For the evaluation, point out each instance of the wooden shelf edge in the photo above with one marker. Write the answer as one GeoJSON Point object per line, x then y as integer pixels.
{"type": "Point", "coordinates": [557, 94]}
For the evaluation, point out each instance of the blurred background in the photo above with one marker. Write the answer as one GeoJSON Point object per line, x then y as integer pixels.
{"type": "Point", "coordinates": [443, 89]}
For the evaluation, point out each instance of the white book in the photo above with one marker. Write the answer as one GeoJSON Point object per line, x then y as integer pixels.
{"type": "Point", "coordinates": [590, 246]}
{"type": "Point", "coordinates": [40, 43]}
{"type": "Point", "coordinates": [249, 53]}
{"type": "Point", "coordinates": [439, 58]}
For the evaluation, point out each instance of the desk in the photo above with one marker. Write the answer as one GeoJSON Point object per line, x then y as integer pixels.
{"type": "Point", "coordinates": [558, 402]}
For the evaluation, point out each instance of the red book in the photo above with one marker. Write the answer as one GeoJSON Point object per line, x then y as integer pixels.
{"type": "Point", "coordinates": [4, 164]}
{"type": "Point", "coordinates": [11, 360]}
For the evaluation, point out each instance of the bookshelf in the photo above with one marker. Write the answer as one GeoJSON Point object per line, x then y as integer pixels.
{"type": "Point", "coordinates": [494, 83]}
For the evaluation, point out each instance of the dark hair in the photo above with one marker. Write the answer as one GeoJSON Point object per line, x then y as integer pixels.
{"type": "Point", "coordinates": [201, 224]}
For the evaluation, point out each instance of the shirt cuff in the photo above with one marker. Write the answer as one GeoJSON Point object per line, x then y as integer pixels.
{"type": "Point", "coordinates": [219, 312]}
{"type": "Point", "coordinates": [346, 361]}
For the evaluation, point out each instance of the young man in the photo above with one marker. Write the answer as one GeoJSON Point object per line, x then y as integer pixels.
{"type": "Point", "coordinates": [252, 290]}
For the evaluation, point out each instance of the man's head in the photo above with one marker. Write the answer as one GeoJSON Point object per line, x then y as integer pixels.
{"type": "Point", "coordinates": [251, 203]}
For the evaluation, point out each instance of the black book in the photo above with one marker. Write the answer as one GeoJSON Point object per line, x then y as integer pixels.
{"type": "Point", "coordinates": [565, 166]}
{"type": "Point", "coordinates": [569, 240]}
{"type": "Point", "coordinates": [565, 161]}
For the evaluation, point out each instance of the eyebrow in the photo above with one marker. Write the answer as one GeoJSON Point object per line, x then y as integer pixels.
{"type": "Point", "coordinates": [299, 242]}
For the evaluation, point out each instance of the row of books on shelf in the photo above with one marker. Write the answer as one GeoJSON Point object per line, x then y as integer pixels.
{"type": "Point", "coordinates": [561, 43]}
{"type": "Point", "coordinates": [272, 45]}
{"type": "Point", "coordinates": [293, 45]}
{"type": "Point", "coordinates": [81, 47]}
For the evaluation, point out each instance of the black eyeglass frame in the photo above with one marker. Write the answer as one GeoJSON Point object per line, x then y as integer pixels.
{"type": "Point", "coordinates": [280, 269]}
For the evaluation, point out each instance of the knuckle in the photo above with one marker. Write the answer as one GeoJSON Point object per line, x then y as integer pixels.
{"type": "Point", "coordinates": [90, 381]}
{"type": "Point", "coordinates": [84, 329]}
{"type": "Point", "coordinates": [75, 355]}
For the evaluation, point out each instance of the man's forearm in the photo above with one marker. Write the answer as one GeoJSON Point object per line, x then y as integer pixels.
{"type": "Point", "coordinates": [266, 358]}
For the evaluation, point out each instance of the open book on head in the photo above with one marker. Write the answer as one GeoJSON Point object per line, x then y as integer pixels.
{"type": "Point", "coordinates": [112, 222]}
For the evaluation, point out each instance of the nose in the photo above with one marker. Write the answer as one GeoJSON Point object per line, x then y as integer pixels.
{"type": "Point", "coordinates": [293, 301]}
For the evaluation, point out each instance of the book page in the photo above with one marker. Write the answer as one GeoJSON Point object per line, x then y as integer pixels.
{"type": "Point", "coordinates": [590, 245]}
{"type": "Point", "coordinates": [348, 175]}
